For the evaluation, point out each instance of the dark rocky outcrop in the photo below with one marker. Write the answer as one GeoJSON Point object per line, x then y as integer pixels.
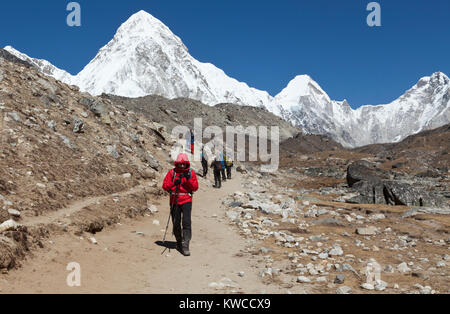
{"type": "Point", "coordinates": [373, 189]}
{"type": "Point", "coordinates": [364, 171]}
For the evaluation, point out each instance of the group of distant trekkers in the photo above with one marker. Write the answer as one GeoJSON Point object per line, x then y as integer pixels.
{"type": "Point", "coordinates": [181, 182]}
{"type": "Point", "coordinates": [220, 165]}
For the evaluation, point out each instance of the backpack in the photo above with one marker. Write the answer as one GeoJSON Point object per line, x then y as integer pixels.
{"type": "Point", "coordinates": [174, 174]}
{"type": "Point", "coordinates": [229, 161]}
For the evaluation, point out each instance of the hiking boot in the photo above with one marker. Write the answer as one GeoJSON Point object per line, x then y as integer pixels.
{"type": "Point", "coordinates": [185, 249]}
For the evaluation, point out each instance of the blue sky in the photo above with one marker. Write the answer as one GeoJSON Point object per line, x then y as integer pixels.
{"type": "Point", "coordinates": [263, 43]}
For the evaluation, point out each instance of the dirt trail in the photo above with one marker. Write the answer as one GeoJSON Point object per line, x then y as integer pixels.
{"type": "Point", "coordinates": [51, 217]}
{"type": "Point", "coordinates": [126, 262]}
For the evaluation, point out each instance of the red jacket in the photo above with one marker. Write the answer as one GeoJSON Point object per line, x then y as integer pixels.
{"type": "Point", "coordinates": [187, 186]}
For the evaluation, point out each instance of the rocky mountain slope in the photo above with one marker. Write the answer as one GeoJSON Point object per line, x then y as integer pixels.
{"type": "Point", "coordinates": [426, 152]}
{"type": "Point", "coordinates": [183, 111]}
{"type": "Point", "coordinates": [146, 58]}
{"type": "Point", "coordinates": [60, 147]}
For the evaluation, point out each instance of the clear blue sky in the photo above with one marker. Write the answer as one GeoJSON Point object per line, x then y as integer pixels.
{"type": "Point", "coordinates": [263, 43]}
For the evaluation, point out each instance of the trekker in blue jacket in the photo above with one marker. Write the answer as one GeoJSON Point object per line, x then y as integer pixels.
{"type": "Point", "coordinates": [224, 166]}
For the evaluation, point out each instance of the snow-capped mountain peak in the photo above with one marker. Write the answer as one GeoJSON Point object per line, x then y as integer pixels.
{"type": "Point", "coordinates": [301, 86]}
{"type": "Point", "coordinates": [145, 57]}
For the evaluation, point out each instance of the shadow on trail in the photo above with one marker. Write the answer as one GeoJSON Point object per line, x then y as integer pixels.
{"type": "Point", "coordinates": [168, 244]}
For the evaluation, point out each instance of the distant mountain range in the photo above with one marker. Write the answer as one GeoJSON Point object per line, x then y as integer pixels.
{"type": "Point", "coordinates": [146, 58]}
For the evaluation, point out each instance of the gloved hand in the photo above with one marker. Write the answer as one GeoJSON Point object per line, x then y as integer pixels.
{"type": "Point", "coordinates": [177, 182]}
{"type": "Point", "coordinates": [186, 175]}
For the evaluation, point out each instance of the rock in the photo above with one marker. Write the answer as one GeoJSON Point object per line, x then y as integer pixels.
{"type": "Point", "coordinates": [95, 106]}
{"type": "Point", "coordinates": [373, 187]}
{"type": "Point", "coordinates": [368, 192]}
{"type": "Point", "coordinates": [381, 285]}
{"type": "Point", "coordinates": [426, 210]}
{"type": "Point", "coordinates": [14, 213]}
{"type": "Point", "coordinates": [328, 222]}
{"type": "Point", "coordinates": [223, 284]}
{"type": "Point", "coordinates": [159, 130]}
{"type": "Point", "coordinates": [111, 149]}
{"type": "Point", "coordinates": [265, 250]}
{"type": "Point", "coordinates": [153, 209]}
{"type": "Point", "coordinates": [241, 274]}
{"type": "Point", "coordinates": [344, 290]}
{"type": "Point", "coordinates": [93, 240]}
{"type": "Point", "coordinates": [403, 268]}
{"type": "Point", "coordinates": [66, 141]}
{"type": "Point", "coordinates": [336, 251]}
{"type": "Point", "coordinates": [368, 231]}
{"type": "Point", "coordinates": [95, 227]}
{"type": "Point", "coordinates": [302, 279]}
{"type": "Point", "coordinates": [126, 175]}
{"type": "Point", "coordinates": [156, 222]}
{"type": "Point", "coordinates": [318, 239]}
{"type": "Point", "coordinates": [402, 194]}
{"type": "Point", "coordinates": [441, 264]}
{"type": "Point", "coordinates": [148, 174]}
{"type": "Point", "coordinates": [340, 279]}
{"type": "Point", "coordinates": [269, 272]}
{"type": "Point", "coordinates": [51, 125]}
{"type": "Point", "coordinates": [321, 279]}
{"type": "Point", "coordinates": [8, 225]}
{"type": "Point", "coordinates": [377, 217]}
{"type": "Point", "coordinates": [235, 204]}
{"type": "Point", "coordinates": [363, 171]}
{"type": "Point", "coordinates": [15, 116]}
{"type": "Point", "coordinates": [78, 125]}
{"type": "Point", "coordinates": [393, 193]}
{"type": "Point", "coordinates": [148, 158]}
{"type": "Point", "coordinates": [241, 169]}
{"type": "Point", "coordinates": [423, 290]}
{"type": "Point", "coordinates": [347, 267]}
{"type": "Point", "coordinates": [367, 286]}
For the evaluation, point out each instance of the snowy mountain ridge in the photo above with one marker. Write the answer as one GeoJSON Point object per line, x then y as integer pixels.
{"type": "Point", "coordinates": [145, 58]}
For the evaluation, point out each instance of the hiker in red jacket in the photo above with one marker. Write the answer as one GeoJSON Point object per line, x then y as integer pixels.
{"type": "Point", "coordinates": [181, 182]}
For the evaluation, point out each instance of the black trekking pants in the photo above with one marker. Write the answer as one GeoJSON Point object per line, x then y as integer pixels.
{"type": "Point", "coordinates": [205, 169]}
{"type": "Point", "coordinates": [224, 178]}
{"type": "Point", "coordinates": [217, 179]}
{"type": "Point", "coordinates": [181, 215]}
{"type": "Point", "coordinates": [229, 173]}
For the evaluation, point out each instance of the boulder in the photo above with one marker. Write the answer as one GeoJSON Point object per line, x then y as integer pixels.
{"type": "Point", "coordinates": [95, 106]}
{"type": "Point", "coordinates": [148, 158]}
{"type": "Point", "coordinates": [78, 125]}
{"type": "Point", "coordinates": [8, 225]}
{"type": "Point", "coordinates": [364, 171]}
{"type": "Point", "coordinates": [392, 193]}
{"type": "Point", "coordinates": [368, 231]}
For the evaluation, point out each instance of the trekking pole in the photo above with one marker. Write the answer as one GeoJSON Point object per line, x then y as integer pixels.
{"type": "Point", "coordinates": [170, 215]}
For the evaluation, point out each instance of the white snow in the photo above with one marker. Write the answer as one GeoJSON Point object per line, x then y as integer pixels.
{"type": "Point", "coordinates": [146, 58]}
